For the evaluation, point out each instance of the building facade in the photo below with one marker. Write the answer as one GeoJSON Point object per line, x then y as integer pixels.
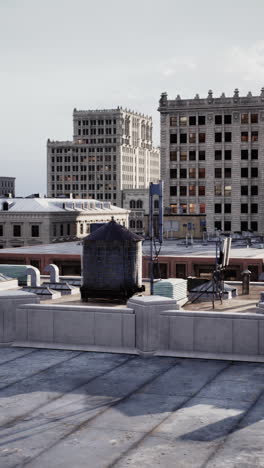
{"type": "Point", "coordinates": [31, 221]}
{"type": "Point", "coordinates": [212, 162]}
{"type": "Point", "coordinates": [111, 150]}
{"type": "Point", "coordinates": [7, 186]}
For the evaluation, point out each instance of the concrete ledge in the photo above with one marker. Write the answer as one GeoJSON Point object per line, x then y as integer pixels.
{"type": "Point", "coordinates": [74, 347]}
{"type": "Point", "coordinates": [217, 356]}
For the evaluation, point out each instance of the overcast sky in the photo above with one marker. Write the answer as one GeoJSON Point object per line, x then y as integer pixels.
{"type": "Point", "coordinates": [59, 54]}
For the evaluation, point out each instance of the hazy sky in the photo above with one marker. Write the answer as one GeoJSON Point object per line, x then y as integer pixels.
{"type": "Point", "coordinates": [59, 54]}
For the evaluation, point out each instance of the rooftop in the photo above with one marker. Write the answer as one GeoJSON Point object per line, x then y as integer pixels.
{"type": "Point", "coordinates": [64, 409]}
{"type": "Point", "coordinates": [58, 205]}
{"type": "Point", "coordinates": [169, 248]}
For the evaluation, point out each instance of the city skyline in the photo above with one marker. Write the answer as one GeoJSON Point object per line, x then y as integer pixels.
{"type": "Point", "coordinates": [59, 56]}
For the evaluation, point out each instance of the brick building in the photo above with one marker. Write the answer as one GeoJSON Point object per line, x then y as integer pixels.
{"type": "Point", "coordinates": [212, 162]}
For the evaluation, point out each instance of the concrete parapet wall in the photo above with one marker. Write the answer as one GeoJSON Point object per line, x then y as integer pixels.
{"type": "Point", "coordinates": [211, 334]}
{"type": "Point", "coordinates": [9, 301]}
{"type": "Point", "coordinates": [76, 325]}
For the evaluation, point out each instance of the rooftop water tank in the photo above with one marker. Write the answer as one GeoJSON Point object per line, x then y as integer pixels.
{"type": "Point", "coordinates": [112, 263]}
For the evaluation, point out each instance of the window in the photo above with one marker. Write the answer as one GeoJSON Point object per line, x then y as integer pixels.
{"type": "Point", "coordinates": [192, 138]}
{"type": "Point", "coordinates": [218, 137]}
{"type": "Point", "coordinates": [227, 207]}
{"type": "Point", "coordinates": [192, 173]}
{"type": "Point", "coordinates": [34, 230]}
{"type": "Point", "coordinates": [244, 208]}
{"type": "Point", "coordinates": [244, 190]}
{"type": "Point", "coordinates": [132, 224]}
{"type": "Point", "coordinates": [183, 191]}
{"type": "Point", "coordinates": [201, 120]}
{"type": "Point", "coordinates": [192, 208]}
{"type": "Point", "coordinates": [156, 204]}
{"type": "Point", "coordinates": [202, 208]}
{"type": "Point", "coordinates": [244, 136]}
{"type": "Point", "coordinates": [192, 190]}
{"type": "Point", "coordinates": [173, 138]}
{"type": "Point", "coordinates": [218, 155]}
{"type": "Point", "coordinates": [218, 208]}
{"type": "Point", "coordinates": [173, 208]}
{"type": "Point", "coordinates": [132, 204]}
{"type": "Point", "coordinates": [183, 121]}
{"type": "Point", "coordinates": [139, 204]}
{"type": "Point", "coordinates": [244, 118]}
{"type": "Point", "coordinates": [254, 190]}
{"type": "Point", "coordinates": [183, 138]}
{"type": "Point", "coordinates": [183, 208]}
{"type": "Point", "coordinates": [201, 155]}
{"type": "Point", "coordinates": [192, 120]}
{"type": "Point", "coordinates": [173, 191]}
{"type": "Point", "coordinates": [244, 226]}
{"type": "Point", "coordinates": [227, 225]}
{"type": "Point", "coordinates": [218, 120]}
{"type": "Point", "coordinates": [228, 172]}
{"type": "Point", "coordinates": [254, 226]}
{"type": "Point", "coordinates": [244, 154]}
{"type": "Point", "coordinates": [201, 173]}
{"type": "Point", "coordinates": [139, 224]}
{"type": "Point", "coordinates": [228, 155]}
{"type": "Point", "coordinates": [254, 172]}
{"type": "Point", "coordinates": [201, 190]}
{"type": "Point", "coordinates": [254, 136]}
{"type": "Point", "coordinates": [1, 230]}
{"type": "Point", "coordinates": [254, 118]}
{"type": "Point", "coordinates": [183, 173]}
{"type": "Point", "coordinates": [17, 230]}
{"type": "Point", "coordinates": [227, 190]}
{"type": "Point", "coordinates": [202, 137]}
{"type": "Point", "coordinates": [244, 172]}
{"type": "Point", "coordinates": [228, 137]}
{"type": "Point", "coordinates": [61, 229]}
{"type": "Point", "coordinates": [254, 154]}
{"type": "Point", "coordinates": [228, 119]}
{"type": "Point", "coordinates": [254, 208]}
{"type": "Point", "coordinates": [173, 173]}
{"type": "Point", "coordinates": [218, 225]}
{"type": "Point", "coordinates": [173, 155]}
{"type": "Point", "coordinates": [192, 155]}
{"type": "Point", "coordinates": [218, 190]}
{"type": "Point", "coordinates": [218, 172]}
{"type": "Point", "coordinates": [173, 121]}
{"type": "Point", "coordinates": [183, 156]}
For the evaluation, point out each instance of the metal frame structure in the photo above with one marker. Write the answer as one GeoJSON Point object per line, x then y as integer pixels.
{"type": "Point", "coordinates": [155, 189]}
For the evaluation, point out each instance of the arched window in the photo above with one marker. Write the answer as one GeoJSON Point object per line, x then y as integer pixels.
{"type": "Point", "coordinates": [139, 224]}
{"type": "Point", "coordinates": [139, 204]}
{"type": "Point", "coordinates": [132, 224]}
{"type": "Point", "coordinates": [132, 204]}
{"type": "Point", "coordinates": [156, 203]}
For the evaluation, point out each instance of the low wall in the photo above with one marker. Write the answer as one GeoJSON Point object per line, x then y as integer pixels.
{"type": "Point", "coordinates": [9, 301]}
{"type": "Point", "coordinates": [74, 327]}
{"type": "Point", "coordinates": [149, 326]}
{"type": "Point", "coordinates": [212, 334]}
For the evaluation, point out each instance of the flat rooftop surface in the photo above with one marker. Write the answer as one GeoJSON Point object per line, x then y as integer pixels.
{"type": "Point", "coordinates": [169, 248]}
{"type": "Point", "coordinates": [68, 409]}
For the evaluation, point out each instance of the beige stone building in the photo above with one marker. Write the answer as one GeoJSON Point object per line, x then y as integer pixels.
{"type": "Point", "coordinates": [7, 186]}
{"type": "Point", "coordinates": [30, 221]}
{"type": "Point", "coordinates": [212, 162]}
{"type": "Point", "coordinates": [112, 150]}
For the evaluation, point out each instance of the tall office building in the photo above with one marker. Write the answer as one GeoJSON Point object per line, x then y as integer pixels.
{"type": "Point", "coordinates": [111, 150]}
{"type": "Point", "coordinates": [212, 161]}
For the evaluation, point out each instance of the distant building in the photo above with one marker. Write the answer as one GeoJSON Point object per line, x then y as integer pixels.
{"type": "Point", "coordinates": [137, 201]}
{"type": "Point", "coordinates": [30, 221]}
{"type": "Point", "coordinates": [7, 186]}
{"type": "Point", "coordinates": [112, 150]}
{"type": "Point", "coordinates": [212, 163]}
